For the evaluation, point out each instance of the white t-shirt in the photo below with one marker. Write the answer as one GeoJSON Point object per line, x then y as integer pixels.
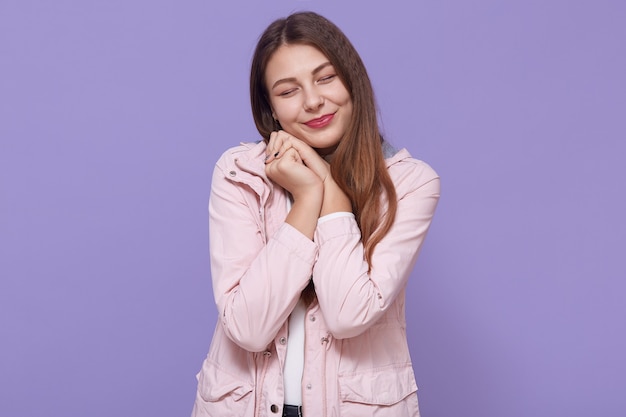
{"type": "Point", "coordinates": [294, 360]}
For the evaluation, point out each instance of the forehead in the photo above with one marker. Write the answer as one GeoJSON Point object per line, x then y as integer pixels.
{"type": "Point", "coordinates": [293, 60]}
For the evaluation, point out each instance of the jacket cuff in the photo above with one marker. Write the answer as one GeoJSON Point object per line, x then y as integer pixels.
{"type": "Point", "coordinates": [296, 243]}
{"type": "Point", "coordinates": [336, 227]}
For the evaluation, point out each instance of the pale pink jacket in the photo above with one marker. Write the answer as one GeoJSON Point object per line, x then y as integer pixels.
{"type": "Point", "coordinates": [357, 361]}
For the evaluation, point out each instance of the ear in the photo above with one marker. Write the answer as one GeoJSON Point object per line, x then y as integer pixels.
{"type": "Point", "coordinates": [277, 125]}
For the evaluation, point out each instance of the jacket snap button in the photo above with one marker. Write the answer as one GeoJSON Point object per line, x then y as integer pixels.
{"type": "Point", "coordinates": [232, 173]}
{"type": "Point", "coordinates": [283, 340]}
{"type": "Point", "coordinates": [312, 318]}
{"type": "Point", "coordinates": [274, 408]}
{"type": "Point", "coordinates": [308, 386]}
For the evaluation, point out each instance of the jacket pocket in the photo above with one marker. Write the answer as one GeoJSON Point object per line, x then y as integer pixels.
{"type": "Point", "coordinates": [220, 393]}
{"type": "Point", "coordinates": [390, 391]}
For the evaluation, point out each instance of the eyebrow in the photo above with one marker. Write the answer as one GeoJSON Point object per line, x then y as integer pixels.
{"type": "Point", "coordinates": [292, 79]}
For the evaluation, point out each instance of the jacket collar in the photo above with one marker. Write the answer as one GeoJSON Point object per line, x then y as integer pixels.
{"type": "Point", "coordinates": [249, 157]}
{"type": "Point", "coordinates": [392, 155]}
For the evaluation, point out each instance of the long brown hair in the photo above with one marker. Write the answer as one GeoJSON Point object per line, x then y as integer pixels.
{"type": "Point", "coordinates": [358, 165]}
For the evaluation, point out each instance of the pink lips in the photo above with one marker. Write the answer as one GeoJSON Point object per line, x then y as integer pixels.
{"type": "Point", "coordinates": [320, 121]}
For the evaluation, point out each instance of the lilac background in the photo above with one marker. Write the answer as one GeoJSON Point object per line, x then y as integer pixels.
{"type": "Point", "coordinates": [112, 114]}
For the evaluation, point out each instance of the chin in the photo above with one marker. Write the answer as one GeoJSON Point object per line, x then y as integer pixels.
{"type": "Point", "coordinates": [326, 142]}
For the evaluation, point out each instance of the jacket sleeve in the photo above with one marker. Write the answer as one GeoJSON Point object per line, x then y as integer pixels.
{"type": "Point", "coordinates": [256, 283]}
{"type": "Point", "coordinates": [350, 297]}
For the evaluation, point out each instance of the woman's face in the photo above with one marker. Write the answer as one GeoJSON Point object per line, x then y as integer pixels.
{"type": "Point", "coordinates": [307, 96]}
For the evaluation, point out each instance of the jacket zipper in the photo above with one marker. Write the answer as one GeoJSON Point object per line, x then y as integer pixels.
{"type": "Point", "coordinates": [326, 342]}
{"type": "Point", "coordinates": [259, 392]}
{"type": "Point", "coordinates": [304, 406]}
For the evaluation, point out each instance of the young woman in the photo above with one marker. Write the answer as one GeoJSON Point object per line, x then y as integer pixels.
{"type": "Point", "coordinates": [314, 232]}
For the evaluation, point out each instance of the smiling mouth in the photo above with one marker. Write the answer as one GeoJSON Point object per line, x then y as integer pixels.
{"type": "Point", "coordinates": [320, 121]}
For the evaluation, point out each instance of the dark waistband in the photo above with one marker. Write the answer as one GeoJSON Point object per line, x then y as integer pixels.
{"type": "Point", "coordinates": [292, 410]}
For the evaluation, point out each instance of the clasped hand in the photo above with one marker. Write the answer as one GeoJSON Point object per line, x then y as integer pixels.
{"type": "Point", "coordinates": [299, 169]}
{"type": "Point", "coordinates": [294, 165]}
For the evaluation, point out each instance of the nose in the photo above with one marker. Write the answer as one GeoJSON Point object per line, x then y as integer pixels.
{"type": "Point", "coordinates": [313, 100]}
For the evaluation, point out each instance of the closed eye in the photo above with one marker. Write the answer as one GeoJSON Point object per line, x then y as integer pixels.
{"type": "Point", "coordinates": [287, 93]}
{"type": "Point", "coordinates": [327, 78]}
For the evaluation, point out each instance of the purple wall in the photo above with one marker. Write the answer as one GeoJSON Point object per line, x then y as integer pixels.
{"type": "Point", "coordinates": [112, 114]}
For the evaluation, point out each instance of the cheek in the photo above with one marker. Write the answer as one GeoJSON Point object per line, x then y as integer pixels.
{"type": "Point", "coordinates": [347, 106]}
{"type": "Point", "coordinates": [348, 98]}
{"type": "Point", "coordinates": [286, 112]}
{"type": "Point", "coordinates": [343, 97]}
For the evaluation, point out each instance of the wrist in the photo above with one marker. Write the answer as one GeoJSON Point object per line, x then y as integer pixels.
{"type": "Point", "coordinates": [305, 212]}
{"type": "Point", "coordinates": [335, 200]}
